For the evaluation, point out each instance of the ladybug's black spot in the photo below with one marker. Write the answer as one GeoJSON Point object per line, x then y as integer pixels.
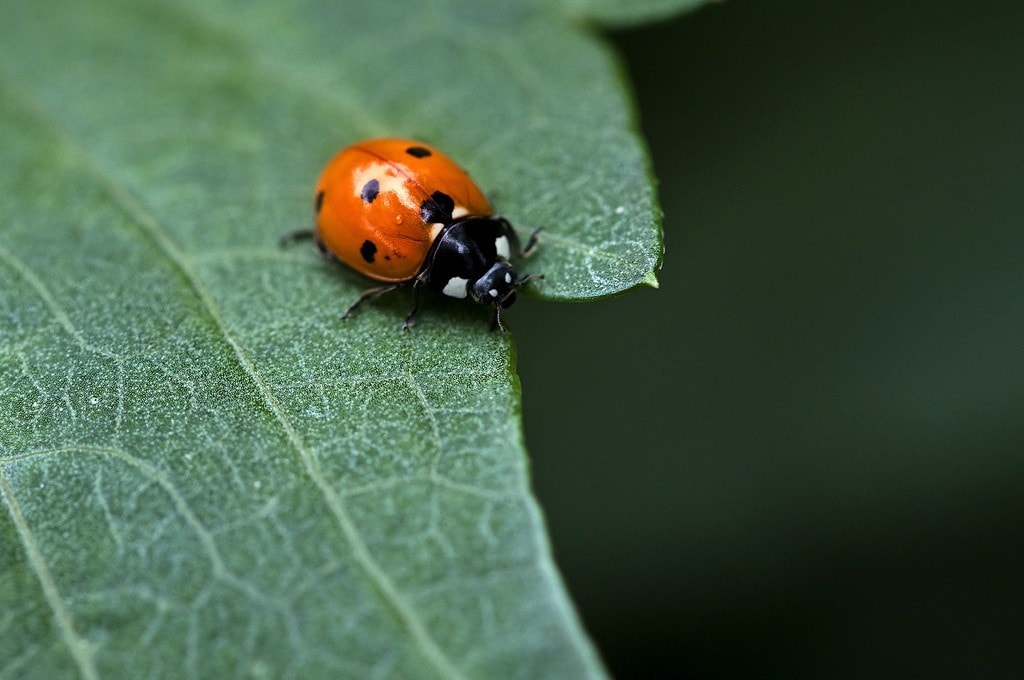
{"type": "Point", "coordinates": [418, 151]}
{"type": "Point", "coordinates": [368, 250]}
{"type": "Point", "coordinates": [370, 191]}
{"type": "Point", "coordinates": [319, 200]}
{"type": "Point", "coordinates": [437, 208]}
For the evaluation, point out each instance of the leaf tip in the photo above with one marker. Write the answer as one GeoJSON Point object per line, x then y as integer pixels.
{"type": "Point", "coordinates": [652, 280]}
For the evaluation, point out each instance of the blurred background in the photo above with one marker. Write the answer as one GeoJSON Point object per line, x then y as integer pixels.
{"type": "Point", "coordinates": [803, 456]}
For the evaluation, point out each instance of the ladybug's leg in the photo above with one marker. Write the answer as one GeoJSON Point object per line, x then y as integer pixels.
{"type": "Point", "coordinates": [302, 235]}
{"type": "Point", "coordinates": [410, 320]}
{"type": "Point", "coordinates": [531, 243]}
{"type": "Point", "coordinates": [513, 239]}
{"type": "Point", "coordinates": [370, 294]}
{"type": "Point", "coordinates": [293, 236]}
{"type": "Point", "coordinates": [496, 319]}
{"type": "Point", "coordinates": [526, 279]}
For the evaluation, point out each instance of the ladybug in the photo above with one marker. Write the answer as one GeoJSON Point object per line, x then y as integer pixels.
{"type": "Point", "coordinates": [401, 212]}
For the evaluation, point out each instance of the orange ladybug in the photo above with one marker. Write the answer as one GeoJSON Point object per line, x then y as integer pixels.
{"type": "Point", "coordinates": [402, 212]}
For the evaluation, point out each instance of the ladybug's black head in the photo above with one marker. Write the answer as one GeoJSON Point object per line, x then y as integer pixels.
{"type": "Point", "coordinates": [497, 286]}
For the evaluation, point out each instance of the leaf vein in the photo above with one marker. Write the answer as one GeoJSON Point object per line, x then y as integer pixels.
{"type": "Point", "coordinates": [432, 478]}
{"type": "Point", "coordinates": [583, 248]}
{"type": "Point", "coordinates": [154, 474]}
{"type": "Point", "coordinates": [80, 650]}
{"type": "Point", "coordinates": [25, 272]}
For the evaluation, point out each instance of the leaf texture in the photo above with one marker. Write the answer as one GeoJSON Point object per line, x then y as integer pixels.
{"type": "Point", "coordinates": [203, 472]}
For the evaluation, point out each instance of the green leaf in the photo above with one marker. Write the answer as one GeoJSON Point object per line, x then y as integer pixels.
{"type": "Point", "coordinates": [203, 471]}
{"type": "Point", "coordinates": [627, 13]}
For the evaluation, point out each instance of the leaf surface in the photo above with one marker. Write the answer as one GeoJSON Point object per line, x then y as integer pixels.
{"type": "Point", "coordinates": [203, 471]}
{"type": "Point", "coordinates": [618, 12]}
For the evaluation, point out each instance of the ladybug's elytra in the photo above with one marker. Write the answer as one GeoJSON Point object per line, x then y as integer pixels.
{"type": "Point", "coordinates": [401, 212]}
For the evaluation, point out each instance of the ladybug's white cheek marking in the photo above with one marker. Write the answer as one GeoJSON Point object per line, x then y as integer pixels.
{"type": "Point", "coordinates": [460, 211]}
{"type": "Point", "coordinates": [501, 245]}
{"type": "Point", "coordinates": [457, 287]}
{"type": "Point", "coordinates": [435, 229]}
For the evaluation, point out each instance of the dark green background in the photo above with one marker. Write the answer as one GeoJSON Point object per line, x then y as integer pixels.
{"type": "Point", "coordinates": [804, 454]}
